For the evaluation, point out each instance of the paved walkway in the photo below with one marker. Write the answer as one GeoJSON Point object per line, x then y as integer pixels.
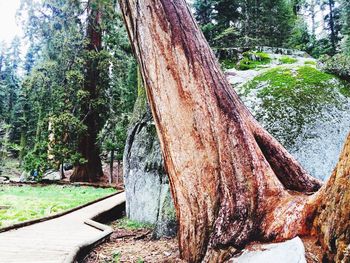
{"type": "Point", "coordinates": [56, 240]}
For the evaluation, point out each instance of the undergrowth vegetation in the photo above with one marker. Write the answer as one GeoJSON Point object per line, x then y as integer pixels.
{"type": "Point", "coordinates": [128, 224]}
{"type": "Point", "coordinates": [338, 65]}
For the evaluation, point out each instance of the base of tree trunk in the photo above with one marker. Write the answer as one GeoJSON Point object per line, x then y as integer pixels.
{"type": "Point", "coordinates": [86, 173]}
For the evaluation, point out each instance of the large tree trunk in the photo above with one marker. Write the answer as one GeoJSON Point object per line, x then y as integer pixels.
{"type": "Point", "coordinates": [332, 217]}
{"type": "Point", "coordinates": [91, 171]}
{"type": "Point", "coordinates": [231, 181]}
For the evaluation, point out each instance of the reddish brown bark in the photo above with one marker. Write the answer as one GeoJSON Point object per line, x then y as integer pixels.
{"type": "Point", "coordinates": [332, 218]}
{"type": "Point", "coordinates": [91, 171]}
{"type": "Point", "coordinates": [231, 181]}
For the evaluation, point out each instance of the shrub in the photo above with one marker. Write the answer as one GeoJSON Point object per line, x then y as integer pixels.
{"type": "Point", "coordinates": [339, 65]}
{"type": "Point", "coordinates": [228, 63]}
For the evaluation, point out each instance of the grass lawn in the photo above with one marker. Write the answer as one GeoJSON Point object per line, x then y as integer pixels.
{"type": "Point", "coordinates": [21, 203]}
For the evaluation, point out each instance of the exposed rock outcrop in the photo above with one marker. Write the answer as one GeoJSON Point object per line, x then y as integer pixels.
{"type": "Point", "coordinates": [304, 108]}
{"type": "Point", "coordinates": [148, 197]}
{"type": "Point", "coordinates": [291, 251]}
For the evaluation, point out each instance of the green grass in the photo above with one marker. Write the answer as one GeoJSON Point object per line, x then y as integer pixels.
{"type": "Point", "coordinates": [21, 203]}
{"type": "Point", "coordinates": [128, 224]}
{"type": "Point", "coordinates": [287, 60]}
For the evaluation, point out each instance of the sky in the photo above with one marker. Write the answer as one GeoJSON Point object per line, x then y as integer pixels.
{"type": "Point", "coordinates": [9, 28]}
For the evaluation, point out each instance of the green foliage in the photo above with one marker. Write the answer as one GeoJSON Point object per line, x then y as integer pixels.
{"type": "Point", "coordinates": [345, 30]}
{"type": "Point", "coordinates": [227, 23]}
{"type": "Point", "coordinates": [55, 98]}
{"type": "Point", "coordinates": [128, 224]}
{"type": "Point", "coordinates": [10, 88]}
{"type": "Point", "coordinates": [287, 60]}
{"type": "Point", "coordinates": [300, 38]}
{"type": "Point", "coordinates": [228, 63]}
{"type": "Point", "coordinates": [253, 60]}
{"type": "Point", "coordinates": [122, 90]}
{"type": "Point", "coordinates": [278, 23]}
{"type": "Point", "coordinates": [32, 202]}
{"type": "Point", "coordinates": [4, 144]}
{"type": "Point", "coordinates": [338, 65]}
{"type": "Point", "coordinates": [66, 129]}
{"type": "Point", "coordinates": [116, 255]}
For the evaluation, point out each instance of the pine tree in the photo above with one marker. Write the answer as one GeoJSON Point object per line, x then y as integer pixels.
{"type": "Point", "coordinates": [345, 18]}
{"type": "Point", "coordinates": [228, 23]}
{"type": "Point", "coordinates": [64, 95]}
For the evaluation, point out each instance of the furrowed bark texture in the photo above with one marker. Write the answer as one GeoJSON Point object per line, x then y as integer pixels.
{"type": "Point", "coordinates": [91, 171]}
{"type": "Point", "coordinates": [333, 212]}
{"type": "Point", "coordinates": [231, 181]}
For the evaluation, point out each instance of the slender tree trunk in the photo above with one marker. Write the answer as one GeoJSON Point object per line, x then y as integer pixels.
{"type": "Point", "coordinates": [51, 141]}
{"type": "Point", "coordinates": [62, 170]}
{"type": "Point", "coordinates": [23, 144]}
{"type": "Point", "coordinates": [91, 171]}
{"type": "Point", "coordinates": [111, 167]}
{"type": "Point", "coordinates": [118, 171]}
{"type": "Point", "coordinates": [231, 181]}
{"type": "Point", "coordinates": [331, 25]}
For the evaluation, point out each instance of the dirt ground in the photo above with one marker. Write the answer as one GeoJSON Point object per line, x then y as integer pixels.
{"type": "Point", "coordinates": [135, 246]}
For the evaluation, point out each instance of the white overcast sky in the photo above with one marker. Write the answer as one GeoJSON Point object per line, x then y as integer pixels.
{"type": "Point", "coordinates": [9, 28]}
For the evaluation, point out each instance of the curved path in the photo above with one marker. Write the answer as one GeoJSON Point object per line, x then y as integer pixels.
{"type": "Point", "coordinates": [59, 239]}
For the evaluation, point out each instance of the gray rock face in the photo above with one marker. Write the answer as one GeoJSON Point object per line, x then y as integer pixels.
{"type": "Point", "coordinates": [291, 251]}
{"type": "Point", "coordinates": [235, 53]}
{"type": "Point", "coordinates": [312, 127]}
{"type": "Point", "coordinates": [148, 197]}
{"type": "Point", "coordinates": [4, 179]}
{"type": "Point", "coordinates": [25, 177]}
{"type": "Point", "coordinates": [52, 175]}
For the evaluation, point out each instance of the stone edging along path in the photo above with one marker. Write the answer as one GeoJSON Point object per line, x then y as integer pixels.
{"type": "Point", "coordinates": [61, 239]}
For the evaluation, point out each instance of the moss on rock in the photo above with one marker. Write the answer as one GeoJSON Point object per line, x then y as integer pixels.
{"type": "Point", "coordinates": [292, 102]}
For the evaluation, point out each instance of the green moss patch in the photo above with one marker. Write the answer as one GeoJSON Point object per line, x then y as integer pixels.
{"type": "Point", "coordinates": [310, 62]}
{"type": "Point", "coordinates": [253, 60]}
{"type": "Point", "coordinates": [288, 60]}
{"type": "Point", "coordinates": [22, 203]}
{"type": "Point", "coordinates": [289, 98]}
